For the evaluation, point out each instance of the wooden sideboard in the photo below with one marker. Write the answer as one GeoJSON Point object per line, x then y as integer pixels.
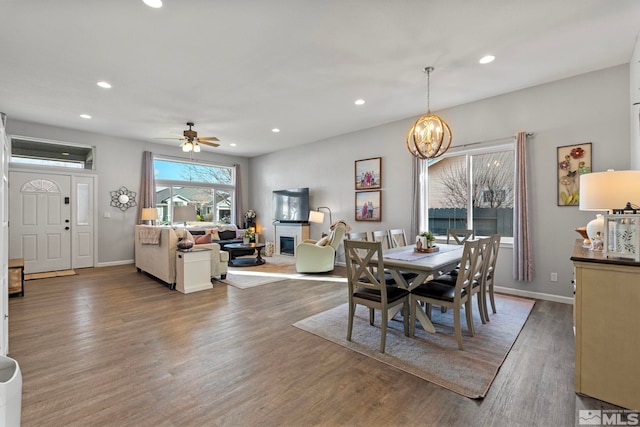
{"type": "Point", "coordinates": [607, 324]}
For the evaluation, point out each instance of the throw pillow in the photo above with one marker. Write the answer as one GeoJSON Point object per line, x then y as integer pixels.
{"type": "Point", "coordinates": [239, 234]}
{"type": "Point", "coordinates": [324, 241]}
{"type": "Point", "coordinates": [213, 232]}
{"type": "Point", "coordinates": [199, 240]}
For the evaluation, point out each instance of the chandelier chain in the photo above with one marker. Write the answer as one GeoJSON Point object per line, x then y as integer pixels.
{"type": "Point", "coordinates": [428, 70]}
{"type": "Point", "coordinates": [428, 91]}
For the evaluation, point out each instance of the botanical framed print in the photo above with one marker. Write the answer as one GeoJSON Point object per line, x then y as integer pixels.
{"type": "Point", "coordinates": [573, 161]}
{"type": "Point", "coordinates": [368, 206]}
{"type": "Point", "coordinates": [368, 173]}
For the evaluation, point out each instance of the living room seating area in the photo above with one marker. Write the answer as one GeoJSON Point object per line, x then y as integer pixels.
{"type": "Point", "coordinates": [155, 253]}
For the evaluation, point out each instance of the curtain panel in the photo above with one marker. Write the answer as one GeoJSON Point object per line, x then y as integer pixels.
{"type": "Point", "coordinates": [238, 199]}
{"type": "Point", "coordinates": [522, 255]}
{"type": "Point", "coordinates": [147, 185]}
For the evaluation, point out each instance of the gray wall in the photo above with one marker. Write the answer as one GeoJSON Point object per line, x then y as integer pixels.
{"type": "Point", "coordinates": [593, 107]}
{"type": "Point", "coordinates": [118, 163]}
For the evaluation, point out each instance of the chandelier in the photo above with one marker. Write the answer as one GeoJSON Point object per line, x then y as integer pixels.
{"type": "Point", "coordinates": [430, 136]}
{"type": "Point", "coordinates": [191, 145]}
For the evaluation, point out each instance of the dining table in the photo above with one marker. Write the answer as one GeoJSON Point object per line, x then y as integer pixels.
{"type": "Point", "coordinates": [407, 259]}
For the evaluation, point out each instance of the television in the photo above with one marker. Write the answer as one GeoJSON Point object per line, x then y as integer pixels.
{"type": "Point", "coordinates": [291, 205]}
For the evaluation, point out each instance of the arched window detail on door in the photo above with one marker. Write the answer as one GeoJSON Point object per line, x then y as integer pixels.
{"type": "Point", "coordinates": [40, 186]}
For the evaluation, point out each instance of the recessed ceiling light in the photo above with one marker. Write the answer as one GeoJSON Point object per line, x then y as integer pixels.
{"type": "Point", "coordinates": [104, 85]}
{"type": "Point", "coordinates": [153, 3]}
{"type": "Point", "coordinates": [85, 116]}
{"type": "Point", "coordinates": [359, 102]}
{"type": "Point", "coordinates": [487, 59]}
{"type": "Point", "coordinates": [64, 153]}
{"type": "Point", "coordinates": [232, 144]}
{"type": "Point", "coordinates": [275, 130]}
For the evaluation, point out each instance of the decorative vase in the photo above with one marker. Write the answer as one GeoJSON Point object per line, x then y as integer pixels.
{"type": "Point", "coordinates": [185, 244]}
{"type": "Point", "coordinates": [594, 226]}
{"type": "Point", "coordinates": [246, 240]}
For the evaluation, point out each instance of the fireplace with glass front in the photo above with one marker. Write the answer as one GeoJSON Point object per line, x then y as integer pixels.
{"type": "Point", "coordinates": [288, 236]}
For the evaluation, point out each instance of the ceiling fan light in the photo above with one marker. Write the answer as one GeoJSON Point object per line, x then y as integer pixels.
{"type": "Point", "coordinates": [196, 147]}
{"type": "Point", "coordinates": [187, 146]}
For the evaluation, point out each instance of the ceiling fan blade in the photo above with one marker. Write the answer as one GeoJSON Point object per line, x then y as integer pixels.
{"type": "Point", "coordinates": [211, 144]}
{"type": "Point", "coordinates": [208, 138]}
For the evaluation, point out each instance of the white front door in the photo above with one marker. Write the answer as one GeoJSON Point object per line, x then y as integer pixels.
{"type": "Point", "coordinates": [39, 220]}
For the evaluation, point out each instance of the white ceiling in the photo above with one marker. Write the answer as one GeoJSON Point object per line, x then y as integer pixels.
{"type": "Point", "coordinates": [240, 68]}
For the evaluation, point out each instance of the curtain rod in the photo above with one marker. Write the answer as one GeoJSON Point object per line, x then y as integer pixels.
{"type": "Point", "coordinates": [488, 140]}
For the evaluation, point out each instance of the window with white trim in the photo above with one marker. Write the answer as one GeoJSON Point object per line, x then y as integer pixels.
{"type": "Point", "coordinates": [209, 188]}
{"type": "Point", "coordinates": [472, 189]}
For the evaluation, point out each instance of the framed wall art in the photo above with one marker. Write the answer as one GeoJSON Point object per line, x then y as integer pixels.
{"type": "Point", "coordinates": [573, 161]}
{"type": "Point", "coordinates": [368, 173]}
{"type": "Point", "coordinates": [368, 206]}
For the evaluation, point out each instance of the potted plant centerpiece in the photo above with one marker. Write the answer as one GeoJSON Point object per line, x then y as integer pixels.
{"type": "Point", "coordinates": [247, 235]}
{"type": "Point", "coordinates": [425, 240]}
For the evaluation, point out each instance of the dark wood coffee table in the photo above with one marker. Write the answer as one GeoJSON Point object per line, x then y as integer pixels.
{"type": "Point", "coordinates": [244, 262]}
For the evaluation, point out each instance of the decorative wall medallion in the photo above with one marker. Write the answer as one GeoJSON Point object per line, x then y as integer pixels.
{"type": "Point", "coordinates": [123, 199]}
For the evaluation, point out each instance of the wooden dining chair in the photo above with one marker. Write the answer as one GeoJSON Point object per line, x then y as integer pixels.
{"type": "Point", "coordinates": [382, 237]}
{"type": "Point", "coordinates": [490, 276]}
{"type": "Point", "coordinates": [459, 236]}
{"type": "Point", "coordinates": [445, 295]}
{"type": "Point", "coordinates": [366, 289]}
{"type": "Point", "coordinates": [397, 237]}
{"type": "Point", "coordinates": [479, 281]}
{"type": "Point", "coordinates": [363, 236]}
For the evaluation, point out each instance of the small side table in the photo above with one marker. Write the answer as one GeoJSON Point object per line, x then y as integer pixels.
{"type": "Point", "coordinates": [193, 270]}
{"type": "Point", "coordinates": [16, 276]}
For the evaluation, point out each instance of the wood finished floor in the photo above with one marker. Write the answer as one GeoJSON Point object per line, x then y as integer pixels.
{"type": "Point", "coordinates": [113, 347]}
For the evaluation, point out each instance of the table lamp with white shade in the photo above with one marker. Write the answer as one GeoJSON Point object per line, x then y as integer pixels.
{"type": "Point", "coordinates": [610, 191]}
{"type": "Point", "coordinates": [184, 214]}
{"type": "Point", "coordinates": [150, 215]}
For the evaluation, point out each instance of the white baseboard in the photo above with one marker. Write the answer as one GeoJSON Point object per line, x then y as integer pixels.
{"type": "Point", "coordinates": [112, 263]}
{"type": "Point", "coordinates": [534, 295]}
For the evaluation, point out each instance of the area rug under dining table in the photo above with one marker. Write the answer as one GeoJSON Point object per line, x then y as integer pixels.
{"type": "Point", "coordinates": [433, 357]}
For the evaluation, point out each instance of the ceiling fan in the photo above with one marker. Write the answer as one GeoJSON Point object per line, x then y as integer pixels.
{"type": "Point", "coordinates": [191, 141]}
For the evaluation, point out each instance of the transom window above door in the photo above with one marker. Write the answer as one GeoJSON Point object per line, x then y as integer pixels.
{"type": "Point", "coordinates": [41, 152]}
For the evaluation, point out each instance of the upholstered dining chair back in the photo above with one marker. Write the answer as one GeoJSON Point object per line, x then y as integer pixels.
{"type": "Point", "coordinates": [459, 236]}
{"type": "Point", "coordinates": [369, 289]}
{"type": "Point", "coordinates": [397, 237]}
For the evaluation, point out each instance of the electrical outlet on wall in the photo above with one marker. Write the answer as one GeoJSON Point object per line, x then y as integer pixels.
{"type": "Point", "coordinates": [554, 277]}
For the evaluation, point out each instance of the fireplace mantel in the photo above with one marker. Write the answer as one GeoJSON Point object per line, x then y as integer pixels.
{"type": "Point", "coordinates": [299, 232]}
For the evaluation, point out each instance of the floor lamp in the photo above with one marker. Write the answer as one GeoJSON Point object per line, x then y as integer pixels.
{"type": "Point", "coordinates": [318, 217]}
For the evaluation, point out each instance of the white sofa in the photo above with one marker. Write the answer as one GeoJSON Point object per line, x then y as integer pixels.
{"type": "Point", "coordinates": [159, 259]}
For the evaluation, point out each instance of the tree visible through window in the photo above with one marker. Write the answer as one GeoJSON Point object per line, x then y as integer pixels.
{"type": "Point", "coordinates": [487, 179]}
{"type": "Point", "coordinates": [209, 188]}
